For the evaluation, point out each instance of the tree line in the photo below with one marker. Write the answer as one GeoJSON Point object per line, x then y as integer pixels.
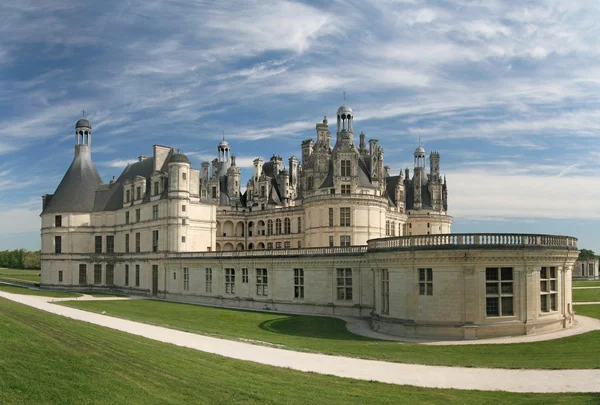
{"type": "Point", "coordinates": [20, 259]}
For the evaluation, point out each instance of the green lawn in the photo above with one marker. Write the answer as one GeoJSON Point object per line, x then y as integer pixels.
{"type": "Point", "coordinates": [21, 276]}
{"type": "Point", "coordinates": [586, 283]}
{"type": "Point", "coordinates": [588, 310]}
{"type": "Point", "coordinates": [330, 336]}
{"type": "Point", "coordinates": [26, 291]}
{"type": "Point", "coordinates": [48, 359]}
{"type": "Point", "coordinates": [587, 295]}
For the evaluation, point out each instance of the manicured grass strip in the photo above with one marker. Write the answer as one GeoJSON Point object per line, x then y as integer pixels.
{"type": "Point", "coordinates": [586, 283]}
{"type": "Point", "coordinates": [26, 291]}
{"type": "Point", "coordinates": [103, 295]}
{"type": "Point", "coordinates": [330, 336]}
{"type": "Point", "coordinates": [588, 295]}
{"type": "Point", "coordinates": [592, 311]}
{"type": "Point", "coordinates": [22, 276]}
{"type": "Point", "coordinates": [48, 359]}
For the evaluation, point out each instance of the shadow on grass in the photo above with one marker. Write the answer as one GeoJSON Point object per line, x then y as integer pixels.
{"type": "Point", "coordinates": [312, 327]}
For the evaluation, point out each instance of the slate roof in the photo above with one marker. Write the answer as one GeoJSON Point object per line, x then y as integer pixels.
{"type": "Point", "coordinates": [76, 191]}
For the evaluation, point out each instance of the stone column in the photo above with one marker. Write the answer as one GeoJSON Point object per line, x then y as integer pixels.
{"type": "Point", "coordinates": [471, 302]}
{"type": "Point", "coordinates": [530, 299]}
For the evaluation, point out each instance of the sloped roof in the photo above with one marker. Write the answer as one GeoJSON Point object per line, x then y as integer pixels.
{"type": "Point", "coordinates": [76, 191]}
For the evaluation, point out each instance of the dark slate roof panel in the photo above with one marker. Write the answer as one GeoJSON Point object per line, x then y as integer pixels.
{"type": "Point", "coordinates": [76, 191]}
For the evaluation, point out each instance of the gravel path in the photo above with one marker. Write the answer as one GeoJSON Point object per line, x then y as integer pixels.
{"type": "Point", "coordinates": [393, 373]}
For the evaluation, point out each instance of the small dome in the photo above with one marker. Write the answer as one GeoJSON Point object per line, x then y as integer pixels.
{"type": "Point", "coordinates": [83, 123]}
{"type": "Point", "coordinates": [224, 144]}
{"type": "Point", "coordinates": [345, 109]}
{"type": "Point", "coordinates": [179, 158]}
{"type": "Point", "coordinates": [420, 151]}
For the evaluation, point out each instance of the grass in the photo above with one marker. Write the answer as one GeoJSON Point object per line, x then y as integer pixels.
{"type": "Point", "coordinates": [48, 359]}
{"type": "Point", "coordinates": [103, 295]}
{"type": "Point", "coordinates": [26, 291]}
{"type": "Point", "coordinates": [330, 336]}
{"type": "Point", "coordinates": [21, 276]}
{"type": "Point", "coordinates": [583, 283]}
{"type": "Point", "coordinates": [592, 311]}
{"type": "Point", "coordinates": [591, 295]}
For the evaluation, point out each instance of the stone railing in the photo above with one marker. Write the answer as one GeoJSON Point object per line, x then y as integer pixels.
{"type": "Point", "coordinates": [466, 240]}
{"type": "Point", "coordinates": [317, 251]}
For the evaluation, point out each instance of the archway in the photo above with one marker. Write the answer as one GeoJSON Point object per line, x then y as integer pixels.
{"type": "Point", "coordinates": [227, 247]}
{"type": "Point", "coordinates": [228, 228]}
{"type": "Point", "coordinates": [239, 229]}
{"type": "Point", "coordinates": [240, 246]}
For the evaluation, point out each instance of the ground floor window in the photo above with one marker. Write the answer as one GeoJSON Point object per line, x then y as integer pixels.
{"type": "Point", "coordinates": [186, 278]}
{"type": "Point", "coordinates": [499, 291]}
{"type": "Point", "coordinates": [126, 274]}
{"type": "Point", "coordinates": [82, 274]}
{"type": "Point", "coordinates": [262, 282]}
{"type": "Point", "coordinates": [345, 240]}
{"type": "Point", "coordinates": [299, 283]}
{"type": "Point", "coordinates": [110, 274]}
{"type": "Point", "coordinates": [244, 276]}
{"type": "Point", "coordinates": [97, 274]}
{"type": "Point", "coordinates": [208, 279]}
{"type": "Point", "coordinates": [548, 289]}
{"type": "Point", "coordinates": [229, 281]}
{"type": "Point", "coordinates": [60, 276]}
{"type": "Point", "coordinates": [137, 275]}
{"type": "Point", "coordinates": [425, 282]}
{"type": "Point", "coordinates": [385, 292]}
{"type": "Point", "coordinates": [344, 284]}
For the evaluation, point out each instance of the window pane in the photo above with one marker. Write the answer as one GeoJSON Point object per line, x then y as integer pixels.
{"type": "Point", "coordinates": [544, 303]}
{"type": "Point", "coordinates": [340, 293]}
{"type": "Point", "coordinates": [543, 273]}
{"type": "Point", "coordinates": [429, 274]}
{"type": "Point", "coordinates": [429, 288]}
{"type": "Point", "coordinates": [553, 302]}
{"type": "Point", "coordinates": [507, 306]}
{"type": "Point", "coordinates": [544, 286]}
{"type": "Point", "coordinates": [553, 285]}
{"type": "Point", "coordinates": [491, 288]}
{"type": "Point", "coordinates": [491, 274]}
{"type": "Point", "coordinates": [421, 274]}
{"type": "Point", "coordinates": [552, 272]}
{"type": "Point", "coordinates": [507, 273]}
{"type": "Point", "coordinates": [421, 288]}
{"type": "Point", "coordinates": [507, 288]}
{"type": "Point", "coordinates": [491, 307]}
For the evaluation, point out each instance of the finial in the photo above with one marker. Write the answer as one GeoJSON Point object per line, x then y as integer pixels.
{"type": "Point", "coordinates": [419, 140]}
{"type": "Point", "coordinates": [83, 113]}
{"type": "Point", "coordinates": [223, 135]}
{"type": "Point", "coordinates": [344, 97]}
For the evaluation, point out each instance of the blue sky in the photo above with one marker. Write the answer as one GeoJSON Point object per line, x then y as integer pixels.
{"type": "Point", "coordinates": [507, 92]}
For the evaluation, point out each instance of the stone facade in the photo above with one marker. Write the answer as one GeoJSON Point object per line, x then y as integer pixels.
{"type": "Point", "coordinates": [587, 269]}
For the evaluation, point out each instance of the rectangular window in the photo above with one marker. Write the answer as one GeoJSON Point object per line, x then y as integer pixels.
{"type": "Point", "coordinates": [548, 287]}
{"type": "Point", "coordinates": [58, 221]}
{"type": "Point", "coordinates": [127, 196]}
{"type": "Point", "coordinates": [262, 282]}
{"type": "Point", "coordinates": [155, 241]}
{"type": "Point", "coordinates": [330, 216]}
{"type": "Point", "coordinates": [137, 242]}
{"type": "Point", "coordinates": [425, 282]}
{"type": "Point", "coordinates": [110, 274]}
{"type": "Point", "coordinates": [82, 274]}
{"type": "Point", "coordinates": [331, 241]}
{"type": "Point", "coordinates": [183, 208]}
{"type": "Point", "coordinates": [58, 244]}
{"type": "Point", "coordinates": [345, 189]}
{"type": "Point", "coordinates": [299, 244]}
{"type": "Point", "coordinates": [183, 239]}
{"type": "Point", "coordinates": [277, 245]}
{"type": "Point", "coordinates": [345, 168]}
{"type": "Point", "coordinates": [269, 245]}
{"type": "Point", "coordinates": [244, 276]}
{"type": "Point", "coordinates": [345, 216]}
{"type": "Point", "coordinates": [127, 217]}
{"type": "Point", "coordinates": [155, 212]}
{"type": "Point", "coordinates": [214, 193]}
{"type": "Point", "coordinates": [97, 274]}
{"type": "Point", "coordinates": [138, 193]}
{"type": "Point", "coordinates": [345, 240]}
{"type": "Point", "coordinates": [184, 176]}
{"type": "Point", "coordinates": [299, 283]}
{"type": "Point", "coordinates": [137, 275]}
{"type": "Point", "coordinates": [98, 247]}
{"type": "Point", "coordinates": [385, 292]}
{"type": "Point", "coordinates": [110, 243]}
{"type": "Point", "coordinates": [229, 281]}
{"type": "Point", "coordinates": [208, 279]}
{"type": "Point", "coordinates": [126, 243]}
{"type": "Point", "coordinates": [344, 284]}
{"type": "Point", "coordinates": [286, 244]}
{"type": "Point", "coordinates": [138, 215]}
{"type": "Point", "coordinates": [60, 276]}
{"type": "Point", "coordinates": [309, 183]}
{"type": "Point", "coordinates": [156, 188]}
{"type": "Point", "coordinates": [126, 274]}
{"type": "Point", "coordinates": [186, 279]}
{"type": "Point", "coordinates": [182, 221]}
{"type": "Point", "coordinates": [332, 191]}
{"type": "Point", "coordinates": [499, 291]}
{"type": "Point", "coordinates": [299, 224]}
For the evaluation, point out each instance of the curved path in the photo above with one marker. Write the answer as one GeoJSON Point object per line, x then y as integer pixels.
{"type": "Point", "coordinates": [393, 373]}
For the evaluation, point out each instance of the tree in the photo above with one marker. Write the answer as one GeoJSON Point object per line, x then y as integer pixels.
{"type": "Point", "coordinates": [32, 260]}
{"type": "Point", "coordinates": [586, 254]}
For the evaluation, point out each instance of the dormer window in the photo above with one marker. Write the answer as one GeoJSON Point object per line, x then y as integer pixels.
{"type": "Point", "coordinates": [138, 193]}
{"type": "Point", "coordinates": [156, 189]}
{"type": "Point", "coordinates": [127, 196]}
{"type": "Point", "coordinates": [346, 168]}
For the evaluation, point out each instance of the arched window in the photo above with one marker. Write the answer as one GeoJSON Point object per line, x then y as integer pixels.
{"type": "Point", "coordinates": [270, 227]}
{"type": "Point", "coordinates": [387, 228]}
{"type": "Point", "coordinates": [393, 228]}
{"type": "Point", "coordinates": [287, 226]}
{"type": "Point", "coordinates": [278, 226]}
